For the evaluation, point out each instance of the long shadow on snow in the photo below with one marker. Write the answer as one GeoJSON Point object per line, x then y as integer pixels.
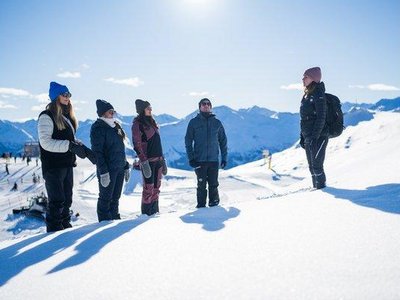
{"type": "Point", "coordinates": [12, 262]}
{"type": "Point", "coordinates": [92, 245]}
{"type": "Point", "coordinates": [385, 197]}
{"type": "Point", "coordinates": [213, 218]}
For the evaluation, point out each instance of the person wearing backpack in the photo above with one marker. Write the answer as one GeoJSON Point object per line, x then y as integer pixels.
{"type": "Point", "coordinates": [147, 144]}
{"type": "Point", "coordinates": [314, 133]}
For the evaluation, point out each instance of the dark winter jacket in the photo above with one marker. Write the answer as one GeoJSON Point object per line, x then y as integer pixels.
{"type": "Point", "coordinates": [146, 140]}
{"type": "Point", "coordinates": [208, 136]}
{"type": "Point", "coordinates": [313, 113]}
{"type": "Point", "coordinates": [108, 146]}
{"type": "Point", "coordinates": [54, 143]}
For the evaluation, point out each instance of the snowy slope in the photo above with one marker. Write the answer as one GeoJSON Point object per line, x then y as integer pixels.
{"type": "Point", "coordinates": [271, 238]}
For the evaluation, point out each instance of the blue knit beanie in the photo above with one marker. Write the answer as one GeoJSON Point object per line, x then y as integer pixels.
{"type": "Point", "coordinates": [102, 107]}
{"type": "Point", "coordinates": [56, 90]}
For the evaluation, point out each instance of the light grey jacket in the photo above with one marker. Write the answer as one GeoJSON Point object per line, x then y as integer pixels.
{"type": "Point", "coordinates": [45, 131]}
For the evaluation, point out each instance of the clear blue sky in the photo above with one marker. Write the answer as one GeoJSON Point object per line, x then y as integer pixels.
{"type": "Point", "coordinates": [173, 52]}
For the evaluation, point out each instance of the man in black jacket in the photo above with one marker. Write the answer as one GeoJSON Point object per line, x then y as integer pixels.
{"type": "Point", "coordinates": [205, 137]}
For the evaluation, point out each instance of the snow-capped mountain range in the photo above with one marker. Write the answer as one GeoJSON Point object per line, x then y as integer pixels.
{"type": "Point", "coordinates": [261, 128]}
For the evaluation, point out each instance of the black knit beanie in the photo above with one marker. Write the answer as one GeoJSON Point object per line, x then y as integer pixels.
{"type": "Point", "coordinates": [141, 105]}
{"type": "Point", "coordinates": [102, 107]}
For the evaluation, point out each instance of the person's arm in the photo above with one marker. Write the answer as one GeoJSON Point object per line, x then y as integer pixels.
{"type": "Point", "coordinates": [320, 109]}
{"type": "Point", "coordinates": [97, 139]}
{"type": "Point", "coordinates": [223, 143]}
{"type": "Point", "coordinates": [189, 137]}
{"type": "Point", "coordinates": [137, 141]}
{"type": "Point", "coordinates": [45, 131]}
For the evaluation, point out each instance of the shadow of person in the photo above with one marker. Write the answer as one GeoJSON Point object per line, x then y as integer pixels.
{"type": "Point", "coordinates": [212, 219]}
{"type": "Point", "coordinates": [8, 254]}
{"type": "Point", "coordinates": [385, 197]}
{"type": "Point", "coordinates": [92, 245]}
{"type": "Point", "coordinates": [13, 261]}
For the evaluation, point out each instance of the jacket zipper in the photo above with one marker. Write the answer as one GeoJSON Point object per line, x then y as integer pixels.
{"type": "Point", "coordinates": [207, 138]}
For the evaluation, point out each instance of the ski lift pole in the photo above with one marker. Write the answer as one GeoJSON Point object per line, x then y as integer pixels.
{"type": "Point", "coordinates": [269, 161]}
{"type": "Point", "coordinates": [267, 158]}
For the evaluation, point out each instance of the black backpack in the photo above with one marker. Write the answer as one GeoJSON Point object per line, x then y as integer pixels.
{"type": "Point", "coordinates": [334, 115]}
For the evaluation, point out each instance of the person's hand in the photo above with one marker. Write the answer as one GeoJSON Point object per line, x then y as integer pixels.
{"type": "Point", "coordinates": [302, 142]}
{"type": "Point", "coordinates": [193, 163]}
{"type": "Point", "coordinates": [105, 179]}
{"type": "Point", "coordinates": [90, 154]}
{"type": "Point", "coordinates": [145, 166]}
{"type": "Point", "coordinates": [77, 149]}
{"type": "Point", "coordinates": [223, 164]}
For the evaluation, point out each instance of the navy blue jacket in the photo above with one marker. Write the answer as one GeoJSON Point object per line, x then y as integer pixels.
{"type": "Point", "coordinates": [208, 136]}
{"type": "Point", "coordinates": [108, 146]}
{"type": "Point", "coordinates": [313, 113]}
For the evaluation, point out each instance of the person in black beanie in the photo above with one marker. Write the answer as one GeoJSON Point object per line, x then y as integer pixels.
{"type": "Point", "coordinates": [58, 149]}
{"type": "Point", "coordinates": [147, 144]}
{"type": "Point", "coordinates": [205, 138]}
{"type": "Point", "coordinates": [107, 139]}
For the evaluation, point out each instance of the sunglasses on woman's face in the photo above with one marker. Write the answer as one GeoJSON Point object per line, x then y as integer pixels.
{"type": "Point", "coordinates": [206, 103]}
{"type": "Point", "coordinates": [66, 95]}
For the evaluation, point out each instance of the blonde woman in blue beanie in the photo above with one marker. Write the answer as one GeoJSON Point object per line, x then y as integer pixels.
{"type": "Point", "coordinates": [57, 125]}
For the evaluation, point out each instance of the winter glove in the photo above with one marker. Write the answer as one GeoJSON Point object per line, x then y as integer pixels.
{"type": "Point", "coordinates": [105, 179]}
{"type": "Point", "coordinates": [77, 149]}
{"type": "Point", "coordinates": [193, 163]}
{"type": "Point", "coordinates": [90, 154]}
{"type": "Point", "coordinates": [164, 167]}
{"type": "Point", "coordinates": [127, 171]}
{"type": "Point", "coordinates": [223, 164]}
{"type": "Point", "coordinates": [146, 169]}
{"type": "Point", "coordinates": [302, 142]}
{"type": "Point", "coordinates": [127, 174]}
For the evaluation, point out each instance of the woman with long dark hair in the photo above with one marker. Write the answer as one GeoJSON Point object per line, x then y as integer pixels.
{"type": "Point", "coordinates": [56, 130]}
{"type": "Point", "coordinates": [314, 130]}
{"type": "Point", "coordinates": [147, 144]}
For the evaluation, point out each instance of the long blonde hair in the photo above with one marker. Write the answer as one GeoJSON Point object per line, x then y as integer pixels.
{"type": "Point", "coordinates": [56, 110]}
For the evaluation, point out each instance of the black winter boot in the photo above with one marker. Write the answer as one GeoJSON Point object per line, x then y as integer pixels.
{"type": "Point", "coordinates": [54, 227]}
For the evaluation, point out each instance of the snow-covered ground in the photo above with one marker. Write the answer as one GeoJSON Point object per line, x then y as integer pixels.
{"type": "Point", "coordinates": [271, 238]}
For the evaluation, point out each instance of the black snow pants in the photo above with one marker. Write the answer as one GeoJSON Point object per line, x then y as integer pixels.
{"type": "Point", "coordinates": [108, 202]}
{"type": "Point", "coordinates": [59, 183]}
{"type": "Point", "coordinates": [315, 151]}
{"type": "Point", "coordinates": [207, 172]}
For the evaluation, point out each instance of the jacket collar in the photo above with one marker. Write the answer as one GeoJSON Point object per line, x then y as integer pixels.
{"type": "Point", "coordinates": [200, 115]}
